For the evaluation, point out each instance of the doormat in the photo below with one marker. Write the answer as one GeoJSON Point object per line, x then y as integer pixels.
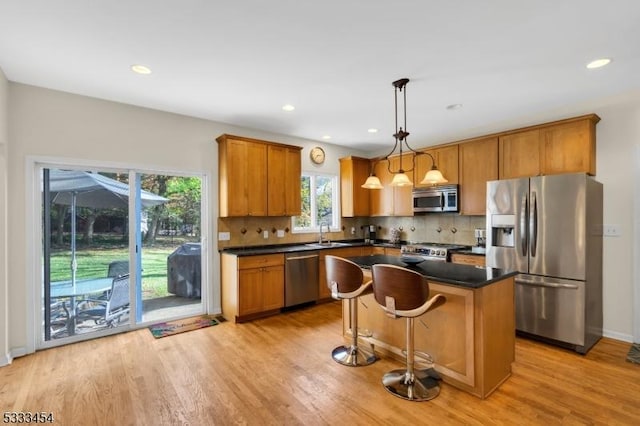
{"type": "Point", "coordinates": [170, 328]}
{"type": "Point", "coordinates": [634, 353]}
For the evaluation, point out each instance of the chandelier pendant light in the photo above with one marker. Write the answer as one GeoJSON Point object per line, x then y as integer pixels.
{"type": "Point", "coordinates": [400, 178]}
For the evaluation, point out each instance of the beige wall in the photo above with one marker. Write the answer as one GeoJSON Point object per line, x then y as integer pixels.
{"type": "Point", "coordinates": [47, 123]}
{"type": "Point", "coordinates": [4, 295]}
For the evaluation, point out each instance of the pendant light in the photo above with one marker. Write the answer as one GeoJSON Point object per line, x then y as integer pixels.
{"type": "Point", "coordinates": [400, 178]}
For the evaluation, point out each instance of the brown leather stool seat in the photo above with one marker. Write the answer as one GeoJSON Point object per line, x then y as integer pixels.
{"type": "Point", "coordinates": [403, 293]}
{"type": "Point", "coordinates": [346, 281]}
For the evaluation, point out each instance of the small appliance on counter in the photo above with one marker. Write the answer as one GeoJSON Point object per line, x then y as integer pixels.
{"type": "Point", "coordinates": [481, 241]}
{"type": "Point", "coordinates": [370, 234]}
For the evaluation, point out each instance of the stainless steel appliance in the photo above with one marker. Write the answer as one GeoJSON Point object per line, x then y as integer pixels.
{"type": "Point", "coordinates": [431, 251]}
{"type": "Point", "coordinates": [370, 234]}
{"type": "Point", "coordinates": [549, 228]}
{"type": "Point", "coordinates": [301, 278]}
{"type": "Point", "coordinates": [437, 199]}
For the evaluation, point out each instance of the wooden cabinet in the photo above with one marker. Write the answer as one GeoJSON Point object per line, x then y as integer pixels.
{"type": "Point", "coordinates": [324, 293]}
{"type": "Point", "coordinates": [392, 200]}
{"type": "Point", "coordinates": [478, 165]}
{"type": "Point", "coordinates": [471, 337]}
{"type": "Point", "coordinates": [354, 199]}
{"type": "Point", "coordinates": [283, 189]}
{"type": "Point", "coordinates": [446, 159]}
{"type": "Point", "coordinates": [252, 286]}
{"type": "Point", "coordinates": [242, 172]}
{"type": "Point", "coordinates": [567, 146]}
{"type": "Point", "coordinates": [468, 259]}
{"type": "Point", "coordinates": [258, 178]}
{"type": "Point", "coordinates": [519, 154]}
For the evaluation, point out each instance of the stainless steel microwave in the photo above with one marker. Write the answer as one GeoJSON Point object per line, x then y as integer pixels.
{"type": "Point", "coordinates": [437, 199]}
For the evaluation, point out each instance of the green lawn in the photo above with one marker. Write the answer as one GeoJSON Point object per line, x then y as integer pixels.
{"type": "Point", "coordinates": [94, 262]}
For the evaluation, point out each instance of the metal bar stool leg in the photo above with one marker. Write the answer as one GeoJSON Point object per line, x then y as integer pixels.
{"type": "Point", "coordinates": [353, 355]}
{"type": "Point", "coordinates": [403, 382]}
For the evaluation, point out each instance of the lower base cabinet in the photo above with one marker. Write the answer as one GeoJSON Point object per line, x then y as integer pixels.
{"type": "Point", "coordinates": [252, 286]}
{"type": "Point", "coordinates": [471, 337]}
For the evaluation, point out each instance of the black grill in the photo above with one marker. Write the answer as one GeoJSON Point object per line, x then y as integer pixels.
{"type": "Point", "coordinates": [183, 271]}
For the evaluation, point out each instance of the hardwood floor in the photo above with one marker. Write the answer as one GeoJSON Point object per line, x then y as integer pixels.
{"type": "Point", "coordinates": [278, 370]}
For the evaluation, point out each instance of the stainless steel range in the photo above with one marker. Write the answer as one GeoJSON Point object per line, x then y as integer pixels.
{"type": "Point", "coordinates": [431, 251]}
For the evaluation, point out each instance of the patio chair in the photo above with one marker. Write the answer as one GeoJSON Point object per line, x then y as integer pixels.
{"type": "Point", "coordinates": [110, 310]}
{"type": "Point", "coordinates": [117, 268]}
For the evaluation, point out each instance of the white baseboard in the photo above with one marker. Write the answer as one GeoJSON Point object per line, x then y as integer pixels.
{"type": "Point", "coordinates": [618, 336]}
{"type": "Point", "coordinates": [5, 359]}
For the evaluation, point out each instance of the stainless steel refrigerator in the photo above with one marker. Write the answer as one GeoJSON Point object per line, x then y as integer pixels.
{"type": "Point", "coordinates": [549, 228]}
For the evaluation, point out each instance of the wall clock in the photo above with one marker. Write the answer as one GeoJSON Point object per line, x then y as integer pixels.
{"type": "Point", "coordinates": [317, 155]}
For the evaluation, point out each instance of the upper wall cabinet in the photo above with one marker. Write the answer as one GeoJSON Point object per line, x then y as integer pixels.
{"type": "Point", "coordinates": [446, 159]}
{"type": "Point", "coordinates": [478, 165]}
{"type": "Point", "coordinates": [567, 146]}
{"type": "Point", "coordinates": [283, 190]}
{"type": "Point", "coordinates": [392, 200]}
{"type": "Point", "coordinates": [354, 198]}
{"type": "Point", "coordinates": [258, 178]}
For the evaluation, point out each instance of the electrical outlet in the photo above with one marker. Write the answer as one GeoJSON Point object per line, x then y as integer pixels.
{"type": "Point", "coordinates": [611, 230]}
{"type": "Point", "coordinates": [353, 230]}
{"type": "Point", "coordinates": [265, 234]}
{"type": "Point", "coordinates": [280, 233]}
{"type": "Point", "coordinates": [224, 236]}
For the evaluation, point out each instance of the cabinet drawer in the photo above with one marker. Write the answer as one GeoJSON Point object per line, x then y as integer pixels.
{"type": "Point", "coordinates": [467, 259]}
{"type": "Point", "coordinates": [248, 262]}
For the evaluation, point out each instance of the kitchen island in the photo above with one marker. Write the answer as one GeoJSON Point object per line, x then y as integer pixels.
{"type": "Point", "coordinates": [471, 337]}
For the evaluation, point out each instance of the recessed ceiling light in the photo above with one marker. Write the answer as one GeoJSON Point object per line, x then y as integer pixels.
{"type": "Point", "coordinates": [454, 106]}
{"type": "Point", "coordinates": [140, 69]}
{"type": "Point", "coordinates": [372, 130]}
{"type": "Point", "coordinates": [598, 63]}
{"type": "Point", "coordinates": [288, 107]}
{"type": "Point", "coordinates": [326, 137]}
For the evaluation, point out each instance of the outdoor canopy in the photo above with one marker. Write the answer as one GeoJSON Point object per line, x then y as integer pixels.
{"type": "Point", "coordinates": [77, 188]}
{"type": "Point", "coordinates": [93, 190]}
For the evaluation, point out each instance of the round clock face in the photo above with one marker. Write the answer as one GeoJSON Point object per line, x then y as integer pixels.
{"type": "Point", "coordinates": [317, 155]}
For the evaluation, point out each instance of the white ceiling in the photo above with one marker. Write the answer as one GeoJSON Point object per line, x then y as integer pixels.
{"type": "Point", "coordinates": [239, 61]}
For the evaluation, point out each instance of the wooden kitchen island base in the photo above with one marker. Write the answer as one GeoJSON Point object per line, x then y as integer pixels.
{"type": "Point", "coordinates": [471, 337]}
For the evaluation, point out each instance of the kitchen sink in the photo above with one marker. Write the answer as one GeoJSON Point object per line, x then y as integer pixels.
{"type": "Point", "coordinates": [328, 244]}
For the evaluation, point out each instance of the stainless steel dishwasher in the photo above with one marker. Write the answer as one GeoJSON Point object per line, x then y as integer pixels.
{"type": "Point", "coordinates": [301, 278]}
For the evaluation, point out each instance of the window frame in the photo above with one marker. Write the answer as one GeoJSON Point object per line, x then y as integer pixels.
{"type": "Point", "coordinates": [335, 204]}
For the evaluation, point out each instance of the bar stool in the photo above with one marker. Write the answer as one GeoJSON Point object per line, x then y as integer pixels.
{"type": "Point", "coordinates": [345, 279]}
{"type": "Point", "coordinates": [403, 293]}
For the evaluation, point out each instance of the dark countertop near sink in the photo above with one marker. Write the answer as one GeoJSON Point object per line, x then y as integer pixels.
{"type": "Point", "coordinates": [449, 273]}
{"type": "Point", "coordinates": [291, 248]}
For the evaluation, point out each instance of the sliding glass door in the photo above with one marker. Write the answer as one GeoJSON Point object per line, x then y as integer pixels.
{"type": "Point", "coordinates": [120, 249]}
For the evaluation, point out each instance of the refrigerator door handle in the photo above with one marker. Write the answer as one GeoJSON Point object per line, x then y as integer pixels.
{"type": "Point", "coordinates": [533, 225]}
{"type": "Point", "coordinates": [546, 284]}
{"type": "Point", "coordinates": [523, 226]}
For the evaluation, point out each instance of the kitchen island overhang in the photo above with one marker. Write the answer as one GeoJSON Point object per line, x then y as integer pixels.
{"type": "Point", "coordinates": [471, 337]}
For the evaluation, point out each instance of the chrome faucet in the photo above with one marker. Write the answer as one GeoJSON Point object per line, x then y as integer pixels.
{"type": "Point", "coordinates": [320, 239]}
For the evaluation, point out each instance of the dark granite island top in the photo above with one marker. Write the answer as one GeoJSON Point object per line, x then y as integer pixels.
{"type": "Point", "coordinates": [471, 337]}
{"type": "Point", "coordinates": [450, 273]}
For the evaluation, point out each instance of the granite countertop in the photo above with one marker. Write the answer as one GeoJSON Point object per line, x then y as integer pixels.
{"type": "Point", "coordinates": [449, 273]}
{"type": "Point", "coordinates": [301, 247]}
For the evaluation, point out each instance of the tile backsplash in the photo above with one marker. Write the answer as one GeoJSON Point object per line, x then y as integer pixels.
{"type": "Point", "coordinates": [438, 228]}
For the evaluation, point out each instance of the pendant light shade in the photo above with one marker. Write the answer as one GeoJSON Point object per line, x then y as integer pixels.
{"type": "Point", "coordinates": [372, 182]}
{"type": "Point", "coordinates": [401, 179]}
{"type": "Point", "coordinates": [433, 177]}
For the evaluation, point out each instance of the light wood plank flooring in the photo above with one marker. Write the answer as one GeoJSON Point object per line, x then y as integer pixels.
{"type": "Point", "coordinates": [279, 371]}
